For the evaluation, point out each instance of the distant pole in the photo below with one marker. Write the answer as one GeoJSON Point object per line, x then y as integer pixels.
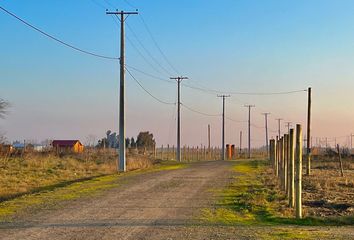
{"type": "Point", "coordinates": [288, 124]}
{"type": "Point", "coordinates": [223, 126]}
{"type": "Point", "coordinates": [122, 147]}
{"type": "Point", "coordinates": [351, 141]}
{"type": "Point", "coordinates": [266, 131]}
{"type": "Point", "coordinates": [178, 152]}
{"type": "Point", "coordinates": [240, 142]}
{"type": "Point", "coordinates": [249, 129]}
{"type": "Point", "coordinates": [208, 137]}
{"type": "Point", "coordinates": [279, 132]}
{"type": "Point", "coordinates": [308, 150]}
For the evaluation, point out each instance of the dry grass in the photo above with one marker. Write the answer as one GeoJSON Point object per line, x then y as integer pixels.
{"type": "Point", "coordinates": [37, 172]}
{"type": "Point", "coordinates": [326, 193]}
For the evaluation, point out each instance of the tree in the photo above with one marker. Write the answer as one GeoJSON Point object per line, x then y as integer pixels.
{"type": "Point", "coordinates": [145, 139]}
{"type": "Point", "coordinates": [127, 142]}
{"type": "Point", "coordinates": [132, 142]}
{"type": "Point", "coordinates": [3, 106]}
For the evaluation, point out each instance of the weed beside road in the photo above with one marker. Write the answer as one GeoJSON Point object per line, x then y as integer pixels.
{"type": "Point", "coordinates": [253, 198]}
{"type": "Point", "coordinates": [36, 172]}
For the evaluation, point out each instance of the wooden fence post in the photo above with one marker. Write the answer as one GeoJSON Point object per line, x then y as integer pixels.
{"type": "Point", "coordinates": [161, 152]}
{"type": "Point", "coordinates": [285, 172]}
{"type": "Point", "coordinates": [277, 156]}
{"type": "Point", "coordinates": [340, 161]}
{"type": "Point", "coordinates": [298, 175]}
{"type": "Point", "coordinates": [291, 167]}
{"type": "Point", "coordinates": [281, 164]}
{"type": "Point", "coordinates": [168, 151]}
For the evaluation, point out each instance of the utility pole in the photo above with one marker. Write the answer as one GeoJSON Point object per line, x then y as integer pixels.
{"type": "Point", "coordinates": [266, 131]}
{"type": "Point", "coordinates": [279, 119]}
{"type": "Point", "coordinates": [351, 141]}
{"type": "Point", "coordinates": [249, 129]}
{"type": "Point", "coordinates": [223, 126]}
{"type": "Point", "coordinates": [179, 80]}
{"type": "Point", "coordinates": [122, 151]}
{"type": "Point", "coordinates": [308, 150]}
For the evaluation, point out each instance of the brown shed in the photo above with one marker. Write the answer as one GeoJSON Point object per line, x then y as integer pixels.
{"type": "Point", "coordinates": [68, 145]}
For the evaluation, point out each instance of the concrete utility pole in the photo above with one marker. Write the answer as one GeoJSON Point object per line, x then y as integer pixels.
{"type": "Point", "coordinates": [279, 119]}
{"type": "Point", "coordinates": [122, 148]}
{"type": "Point", "coordinates": [179, 80]}
{"type": "Point", "coordinates": [266, 131]}
{"type": "Point", "coordinates": [308, 150]}
{"type": "Point", "coordinates": [249, 128]}
{"type": "Point", "coordinates": [223, 126]}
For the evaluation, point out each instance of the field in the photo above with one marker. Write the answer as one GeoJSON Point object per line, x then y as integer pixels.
{"type": "Point", "coordinates": [326, 193]}
{"type": "Point", "coordinates": [35, 172]}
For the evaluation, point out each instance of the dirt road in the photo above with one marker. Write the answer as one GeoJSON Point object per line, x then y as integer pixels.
{"type": "Point", "coordinates": [157, 205]}
{"type": "Point", "coordinates": [135, 210]}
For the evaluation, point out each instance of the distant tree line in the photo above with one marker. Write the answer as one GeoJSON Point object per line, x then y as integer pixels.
{"type": "Point", "coordinates": [143, 140]}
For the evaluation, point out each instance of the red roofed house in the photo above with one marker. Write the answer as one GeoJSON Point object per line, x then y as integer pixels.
{"type": "Point", "coordinates": [68, 145]}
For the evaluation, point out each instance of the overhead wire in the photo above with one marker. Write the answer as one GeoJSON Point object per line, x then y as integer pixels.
{"type": "Point", "coordinates": [147, 51]}
{"type": "Point", "coordinates": [55, 38]}
{"type": "Point", "coordinates": [157, 45]}
{"type": "Point", "coordinates": [156, 98]}
{"type": "Point", "coordinates": [149, 75]}
{"type": "Point", "coordinates": [199, 112]}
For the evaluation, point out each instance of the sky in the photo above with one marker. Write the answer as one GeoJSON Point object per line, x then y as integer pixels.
{"type": "Point", "coordinates": [259, 46]}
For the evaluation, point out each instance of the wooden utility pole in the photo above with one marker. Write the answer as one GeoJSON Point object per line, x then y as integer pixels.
{"type": "Point", "coordinates": [179, 80]}
{"type": "Point", "coordinates": [266, 131]}
{"type": "Point", "coordinates": [308, 150]}
{"type": "Point", "coordinates": [249, 128]}
{"type": "Point", "coordinates": [122, 148]}
{"type": "Point", "coordinates": [298, 173]}
{"type": "Point", "coordinates": [223, 126]}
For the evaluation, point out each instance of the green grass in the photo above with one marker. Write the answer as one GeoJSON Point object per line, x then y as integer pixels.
{"type": "Point", "coordinates": [249, 201]}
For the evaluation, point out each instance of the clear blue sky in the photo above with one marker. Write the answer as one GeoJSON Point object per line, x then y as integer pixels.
{"type": "Point", "coordinates": [229, 45]}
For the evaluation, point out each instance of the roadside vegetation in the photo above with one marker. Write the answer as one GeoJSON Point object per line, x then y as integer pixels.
{"type": "Point", "coordinates": [253, 198]}
{"type": "Point", "coordinates": [37, 172]}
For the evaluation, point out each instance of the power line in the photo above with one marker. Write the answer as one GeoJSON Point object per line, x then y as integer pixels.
{"type": "Point", "coordinates": [244, 93]}
{"type": "Point", "coordinates": [147, 51]}
{"type": "Point", "coordinates": [159, 100]}
{"type": "Point", "coordinates": [157, 45]}
{"type": "Point", "coordinates": [148, 74]}
{"type": "Point", "coordinates": [199, 112]}
{"type": "Point", "coordinates": [56, 39]}
{"type": "Point", "coordinates": [142, 56]}
{"type": "Point", "coordinates": [236, 121]}
{"type": "Point", "coordinates": [129, 3]}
